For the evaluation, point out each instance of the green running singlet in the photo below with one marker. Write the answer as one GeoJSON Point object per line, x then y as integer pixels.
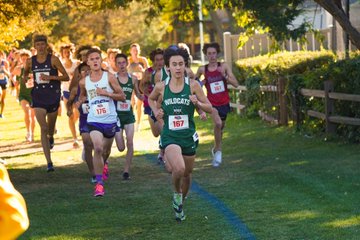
{"type": "Point", "coordinates": [179, 125]}
{"type": "Point", "coordinates": [124, 109]}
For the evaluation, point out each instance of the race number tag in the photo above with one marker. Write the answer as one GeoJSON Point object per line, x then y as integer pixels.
{"type": "Point", "coordinates": [217, 87]}
{"type": "Point", "coordinates": [101, 109]}
{"type": "Point", "coordinates": [37, 77]}
{"type": "Point", "coordinates": [85, 108]}
{"type": "Point", "coordinates": [123, 106]}
{"type": "Point", "coordinates": [29, 83]}
{"type": "Point", "coordinates": [178, 122]}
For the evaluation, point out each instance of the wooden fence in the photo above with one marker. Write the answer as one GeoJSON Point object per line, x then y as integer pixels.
{"type": "Point", "coordinates": [281, 104]}
{"type": "Point", "coordinates": [260, 44]}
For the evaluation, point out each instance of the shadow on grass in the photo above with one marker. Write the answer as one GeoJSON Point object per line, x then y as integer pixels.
{"type": "Point", "coordinates": [282, 185]}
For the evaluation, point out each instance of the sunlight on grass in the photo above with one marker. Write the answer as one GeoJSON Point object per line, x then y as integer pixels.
{"type": "Point", "coordinates": [65, 237]}
{"type": "Point", "coordinates": [300, 215]}
{"type": "Point", "coordinates": [344, 223]}
{"type": "Point", "coordinates": [249, 133]}
{"type": "Point", "coordinates": [298, 163]}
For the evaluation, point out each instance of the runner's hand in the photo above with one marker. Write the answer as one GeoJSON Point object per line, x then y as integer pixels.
{"type": "Point", "coordinates": [159, 114]}
{"type": "Point", "coordinates": [193, 99]}
{"type": "Point", "coordinates": [203, 116]}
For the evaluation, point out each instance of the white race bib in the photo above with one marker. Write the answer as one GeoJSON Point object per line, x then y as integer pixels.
{"type": "Point", "coordinates": [101, 109]}
{"type": "Point", "coordinates": [123, 106]}
{"type": "Point", "coordinates": [37, 77]}
{"type": "Point", "coordinates": [178, 122]}
{"type": "Point", "coordinates": [85, 108]}
{"type": "Point", "coordinates": [29, 83]}
{"type": "Point", "coordinates": [217, 87]}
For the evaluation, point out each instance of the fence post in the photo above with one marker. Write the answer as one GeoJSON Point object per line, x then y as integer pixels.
{"type": "Point", "coordinates": [227, 49]}
{"type": "Point", "coordinates": [283, 111]}
{"type": "Point", "coordinates": [295, 108]}
{"type": "Point", "coordinates": [329, 107]}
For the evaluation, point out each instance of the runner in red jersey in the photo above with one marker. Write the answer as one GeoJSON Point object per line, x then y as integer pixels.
{"type": "Point", "coordinates": [216, 77]}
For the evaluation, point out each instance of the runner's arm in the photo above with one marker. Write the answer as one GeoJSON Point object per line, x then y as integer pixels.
{"type": "Point", "coordinates": [118, 93]}
{"type": "Point", "coordinates": [200, 72]}
{"type": "Point", "coordinates": [82, 95]}
{"type": "Point", "coordinates": [136, 88]}
{"type": "Point", "coordinates": [229, 76]}
{"type": "Point", "coordinates": [154, 98]}
{"type": "Point", "coordinates": [198, 98]}
{"type": "Point", "coordinates": [26, 70]}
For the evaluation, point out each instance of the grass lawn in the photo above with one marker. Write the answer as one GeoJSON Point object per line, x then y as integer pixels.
{"type": "Point", "coordinates": [281, 185]}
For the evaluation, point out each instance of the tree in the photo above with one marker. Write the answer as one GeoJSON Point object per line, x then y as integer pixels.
{"type": "Point", "coordinates": [334, 7]}
{"type": "Point", "coordinates": [274, 16]}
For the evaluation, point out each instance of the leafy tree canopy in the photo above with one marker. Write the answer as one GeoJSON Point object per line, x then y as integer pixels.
{"type": "Point", "coordinates": [273, 16]}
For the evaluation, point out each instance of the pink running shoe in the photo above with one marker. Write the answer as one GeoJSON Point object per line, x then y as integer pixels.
{"type": "Point", "coordinates": [99, 190]}
{"type": "Point", "coordinates": [105, 174]}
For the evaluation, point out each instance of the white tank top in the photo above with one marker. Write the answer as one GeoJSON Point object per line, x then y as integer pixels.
{"type": "Point", "coordinates": [102, 109]}
{"type": "Point", "coordinates": [70, 71]}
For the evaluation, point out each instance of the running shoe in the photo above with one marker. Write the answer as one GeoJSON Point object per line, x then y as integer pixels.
{"type": "Point", "coordinates": [51, 142]}
{"type": "Point", "coordinates": [93, 179]}
{"type": "Point", "coordinates": [217, 158]}
{"type": "Point", "coordinates": [50, 167]}
{"type": "Point", "coordinates": [178, 207]}
{"type": "Point", "coordinates": [99, 190]}
{"type": "Point", "coordinates": [1, 116]}
{"type": "Point", "coordinates": [105, 174]}
{"type": "Point", "coordinates": [76, 144]}
{"type": "Point", "coordinates": [126, 176]}
{"type": "Point", "coordinates": [160, 159]}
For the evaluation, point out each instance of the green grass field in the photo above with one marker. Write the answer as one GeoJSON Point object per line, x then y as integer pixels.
{"type": "Point", "coordinates": [281, 185]}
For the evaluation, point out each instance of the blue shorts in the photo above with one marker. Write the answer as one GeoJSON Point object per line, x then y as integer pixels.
{"type": "Point", "coordinates": [50, 108]}
{"type": "Point", "coordinates": [66, 95]}
{"type": "Point", "coordinates": [107, 129]}
{"type": "Point", "coordinates": [223, 111]}
{"type": "Point", "coordinates": [148, 111]}
{"type": "Point", "coordinates": [83, 126]}
{"type": "Point", "coordinates": [3, 86]}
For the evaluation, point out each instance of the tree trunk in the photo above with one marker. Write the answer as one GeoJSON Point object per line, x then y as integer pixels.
{"type": "Point", "coordinates": [332, 6]}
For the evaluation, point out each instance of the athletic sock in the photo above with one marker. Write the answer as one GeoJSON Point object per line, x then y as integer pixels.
{"type": "Point", "coordinates": [99, 179]}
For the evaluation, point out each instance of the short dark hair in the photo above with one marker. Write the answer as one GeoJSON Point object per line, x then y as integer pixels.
{"type": "Point", "coordinates": [175, 51]}
{"type": "Point", "coordinates": [82, 65]}
{"type": "Point", "coordinates": [93, 50]}
{"type": "Point", "coordinates": [80, 49]}
{"type": "Point", "coordinates": [121, 55]}
{"type": "Point", "coordinates": [40, 38]}
{"type": "Point", "coordinates": [211, 45]}
{"type": "Point", "coordinates": [155, 52]}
